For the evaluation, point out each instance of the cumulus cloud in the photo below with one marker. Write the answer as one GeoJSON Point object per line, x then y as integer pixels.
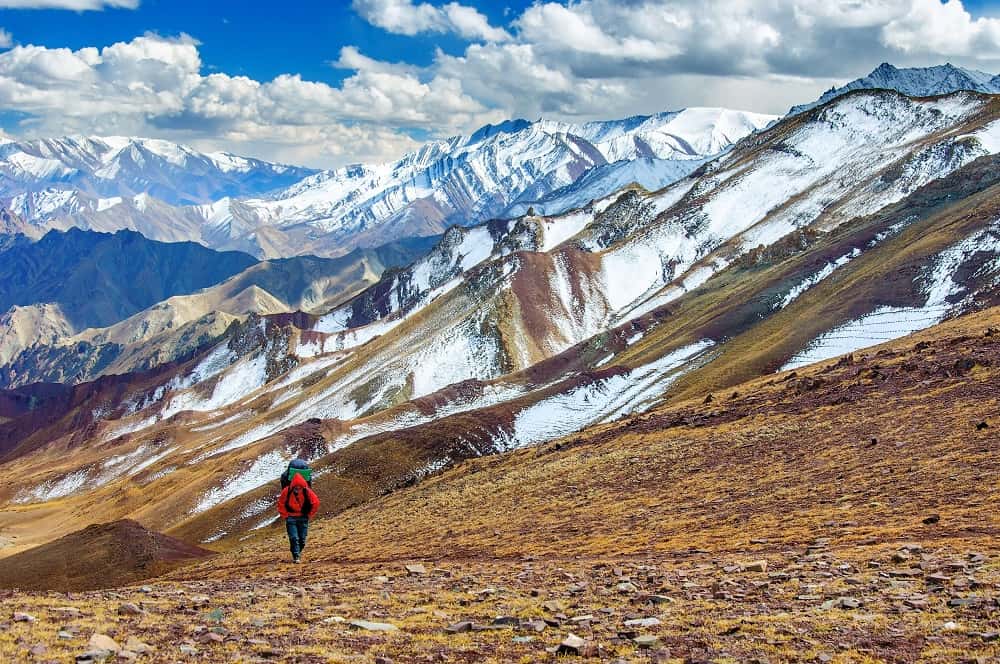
{"type": "Point", "coordinates": [405, 18]}
{"type": "Point", "coordinates": [154, 85]}
{"type": "Point", "coordinates": [589, 57]}
{"type": "Point", "coordinates": [6, 39]}
{"type": "Point", "coordinates": [76, 5]}
{"type": "Point", "coordinates": [947, 29]}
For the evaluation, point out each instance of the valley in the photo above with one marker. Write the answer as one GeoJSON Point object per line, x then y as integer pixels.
{"type": "Point", "coordinates": [871, 534]}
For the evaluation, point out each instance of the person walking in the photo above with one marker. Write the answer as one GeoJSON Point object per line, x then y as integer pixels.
{"type": "Point", "coordinates": [297, 504]}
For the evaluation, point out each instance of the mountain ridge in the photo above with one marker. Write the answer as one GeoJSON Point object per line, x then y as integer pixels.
{"type": "Point", "coordinates": [99, 278]}
{"type": "Point", "coordinates": [913, 82]}
{"type": "Point", "coordinates": [170, 328]}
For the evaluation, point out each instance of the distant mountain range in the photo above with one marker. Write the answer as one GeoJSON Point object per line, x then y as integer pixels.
{"type": "Point", "coordinates": [36, 175]}
{"type": "Point", "coordinates": [170, 192]}
{"type": "Point", "coordinates": [67, 282]}
{"type": "Point", "coordinates": [97, 279]}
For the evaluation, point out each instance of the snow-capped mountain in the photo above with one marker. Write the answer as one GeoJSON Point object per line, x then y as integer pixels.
{"type": "Point", "coordinates": [649, 173]}
{"type": "Point", "coordinates": [468, 179]}
{"type": "Point", "coordinates": [863, 220]}
{"type": "Point", "coordinates": [171, 193]}
{"type": "Point", "coordinates": [914, 82]}
{"type": "Point", "coordinates": [41, 175]}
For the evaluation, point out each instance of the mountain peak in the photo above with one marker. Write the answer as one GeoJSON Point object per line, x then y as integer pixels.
{"type": "Point", "coordinates": [914, 82]}
{"type": "Point", "coordinates": [505, 127]}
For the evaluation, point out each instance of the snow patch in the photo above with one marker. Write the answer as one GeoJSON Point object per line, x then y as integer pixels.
{"type": "Point", "coordinates": [264, 469]}
{"type": "Point", "coordinates": [810, 281]}
{"type": "Point", "coordinates": [887, 323]}
{"type": "Point", "coordinates": [108, 203]}
{"type": "Point", "coordinates": [601, 401]}
{"type": "Point", "coordinates": [53, 489]}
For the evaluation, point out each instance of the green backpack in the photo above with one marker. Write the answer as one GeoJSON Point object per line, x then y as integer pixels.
{"type": "Point", "coordinates": [306, 473]}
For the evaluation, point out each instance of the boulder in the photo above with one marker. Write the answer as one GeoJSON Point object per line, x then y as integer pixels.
{"type": "Point", "coordinates": [103, 642]}
{"type": "Point", "coordinates": [130, 609]}
{"type": "Point", "coordinates": [459, 627]}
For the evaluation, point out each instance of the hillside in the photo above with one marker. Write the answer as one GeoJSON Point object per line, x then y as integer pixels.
{"type": "Point", "coordinates": [790, 519]}
{"type": "Point", "coordinates": [863, 220]}
{"type": "Point", "coordinates": [100, 556]}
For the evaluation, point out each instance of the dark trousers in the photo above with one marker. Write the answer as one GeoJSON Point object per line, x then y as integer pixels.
{"type": "Point", "coordinates": [298, 529]}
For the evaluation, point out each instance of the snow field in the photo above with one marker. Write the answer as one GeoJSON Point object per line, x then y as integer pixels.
{"type": "Point", "coordinates": [888, 323]}
{"type": "Point", "coordinates": [600, 401]}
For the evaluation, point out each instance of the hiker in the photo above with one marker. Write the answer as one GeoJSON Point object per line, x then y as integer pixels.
{"type": "Point", "coordinates": [297, 504]}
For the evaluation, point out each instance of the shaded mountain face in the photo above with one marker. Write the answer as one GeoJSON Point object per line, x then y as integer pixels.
{"type": "Point", "coordinates": [97, 279]}
{"type": "Point", "coordinates": [463, 180]}
{"type": "Point", "coordinates": [38, 343]}
{"type": "Point", "coordinates": [914, 82]}
{"type": "Point", "coordinates": [863, 220]}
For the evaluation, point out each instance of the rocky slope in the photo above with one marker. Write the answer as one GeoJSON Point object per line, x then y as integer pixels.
{"type": "Point", "coordinates": [863, 220]}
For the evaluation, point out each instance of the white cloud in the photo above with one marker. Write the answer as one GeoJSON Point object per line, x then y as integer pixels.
{"type": "Point", "coordinates": [947, 29]}
{"type": "Point", "coordinates": [405, 18]}
{"type": "Point", "coordinates": [76, 5]}
{"type": "Point", "coordinates": [6, 39]}
{"type": "Point", "coordinates": [589, 58]}
{"type": "Point", "coordinates": [153, 85]}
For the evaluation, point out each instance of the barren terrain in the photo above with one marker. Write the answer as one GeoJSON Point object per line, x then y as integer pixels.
{"type": "Point", "coordinates": [842, 512]}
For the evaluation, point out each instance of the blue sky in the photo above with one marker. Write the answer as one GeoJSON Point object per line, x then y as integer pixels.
{"type": "Point", "coordinates": [246, 37]}
{"type": "Point", "coordinates": [328, 83]}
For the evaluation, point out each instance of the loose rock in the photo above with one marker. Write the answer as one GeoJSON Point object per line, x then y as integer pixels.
{"type": "Point", "coordinates": [130, 609]}
{"type": "Point", "coordinates": [646, 641]}
{"type": "Point", "coordinates": [372, 626]}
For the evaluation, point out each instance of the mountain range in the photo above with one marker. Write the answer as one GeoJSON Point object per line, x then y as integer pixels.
{"type": "Point", "coordinates": [861, 220]}
{"type": "Point", "coordinates": [171, 193]}
{"type": "Point", "coordinates": [615, 268]}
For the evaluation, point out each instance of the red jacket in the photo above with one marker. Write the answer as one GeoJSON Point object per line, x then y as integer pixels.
{"type": "Point", "coordinates": [297, 499]}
